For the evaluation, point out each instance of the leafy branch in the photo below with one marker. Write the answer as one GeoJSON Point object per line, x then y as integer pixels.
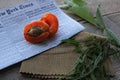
{"type": "Point", "coordinates": [80, 8]}
{"type": "Point", "coordinates": [89, 64]}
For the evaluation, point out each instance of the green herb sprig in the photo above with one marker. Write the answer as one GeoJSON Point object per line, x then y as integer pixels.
{"type": "Point", "coordinates": [89, 64]}
{"type": "Point", "coordinates": [80, 8]}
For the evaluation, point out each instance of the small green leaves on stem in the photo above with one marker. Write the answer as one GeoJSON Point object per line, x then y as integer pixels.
{"type": "Point", "coordinates": [99, 19]}
{"type": "Point", "coordinates": [90, 60]}
{"type": "Point", "coordinates": [80, 8]}
{"type": "Point", "coordinates": [75, 43]}
{"type": "Point", "coordinates": [113, 39]}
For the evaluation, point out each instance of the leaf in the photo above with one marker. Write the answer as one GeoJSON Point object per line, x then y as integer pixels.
{"type": "Point", "coordinates": [80, 2]}
{"type": "Point", "coordinates": [88, 63]}
{"type": "Point", "coordinates": [69, 2]}
{"type": "Point", "coordinates": [71, 41]}
{"type": "Point", "coordinates": [92, 76]}
{"type": "Point", "coordinates": [111, 37]}
{"type": "Point", "coordinates": [78, 47]}
{"type": "Point", "coordinates": [64, 6]}
{"type": "Point", "coordinates": [80, 8]}
{"type": "Point", "coordinates": [99, 18]}
{"type": "Point", "coordinates": [107, 32]}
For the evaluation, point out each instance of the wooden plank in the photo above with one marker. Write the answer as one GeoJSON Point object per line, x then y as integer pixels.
{"type": "Point", "coordinates": [107, 6]}
{"type": "Point", "coordinates": [115, 18]}
{"type": "Point", "coordinates": [112, 25]}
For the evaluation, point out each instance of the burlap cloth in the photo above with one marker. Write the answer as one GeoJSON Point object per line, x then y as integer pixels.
{"type": "Point", "coordinates": [55, 62]}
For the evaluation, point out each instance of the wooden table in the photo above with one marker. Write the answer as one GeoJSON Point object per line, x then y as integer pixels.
{"type": "Point", "coordinates": [110, 10]}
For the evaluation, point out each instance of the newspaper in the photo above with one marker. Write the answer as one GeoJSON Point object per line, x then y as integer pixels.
{"type": "Point", "coordinates": [13, 47]}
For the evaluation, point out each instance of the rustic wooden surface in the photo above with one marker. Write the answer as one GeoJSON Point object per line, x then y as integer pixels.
{"type": "Point", "coordinates": [110, 10]}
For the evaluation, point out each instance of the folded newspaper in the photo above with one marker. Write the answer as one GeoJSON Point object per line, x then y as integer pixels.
{"type": "Point", "coordinates": [13, 46]}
